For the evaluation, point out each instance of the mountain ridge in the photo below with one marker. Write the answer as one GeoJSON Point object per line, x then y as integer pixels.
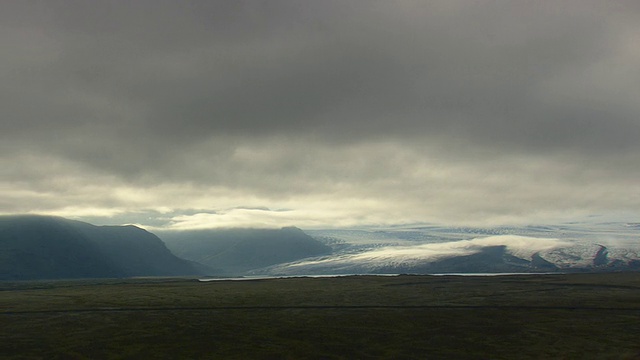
{"type": "Point", "coordinates": [236, 251]}
{"type": "Point", "coordinates": [48, 247]}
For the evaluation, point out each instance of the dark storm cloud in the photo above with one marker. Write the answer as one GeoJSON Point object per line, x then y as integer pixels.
{"type": "Point", "coordinates": [263, 97]}
{"type": "Point", "coordinates": [341, 68]}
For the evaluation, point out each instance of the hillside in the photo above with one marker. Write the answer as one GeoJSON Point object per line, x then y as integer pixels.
{"type": "Point", "coordinates": [42, 247]}
{"type": "Point", "coordinates": [235, 251]}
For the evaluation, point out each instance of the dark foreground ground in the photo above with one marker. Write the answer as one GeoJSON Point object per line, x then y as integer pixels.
{"type": "Point", "coordinates": [579, 316]}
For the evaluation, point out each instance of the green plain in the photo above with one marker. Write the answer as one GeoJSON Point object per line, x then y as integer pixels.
{"type": "Point", "coordinates": [560, 316]}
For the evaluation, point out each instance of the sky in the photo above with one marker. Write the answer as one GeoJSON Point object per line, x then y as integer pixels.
{"type": "Point", "coordinates": [320, 114]}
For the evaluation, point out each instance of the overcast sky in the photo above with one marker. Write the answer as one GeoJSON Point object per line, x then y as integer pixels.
{"type": "Point", "coordinates": [320, 114]}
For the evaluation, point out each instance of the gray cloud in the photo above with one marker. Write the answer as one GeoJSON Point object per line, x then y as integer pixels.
{"type": "Point", "coordinates": [477, 111]}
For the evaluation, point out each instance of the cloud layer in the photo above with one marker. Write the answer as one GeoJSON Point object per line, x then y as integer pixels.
{"type": "Point", "coordinates": [321, 114]}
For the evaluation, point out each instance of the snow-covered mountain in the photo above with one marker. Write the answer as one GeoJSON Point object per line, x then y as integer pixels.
{"type": "Point", "coordinates": [566, 248]}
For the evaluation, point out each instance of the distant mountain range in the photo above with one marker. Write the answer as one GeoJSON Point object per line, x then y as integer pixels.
{"type": "Point", "coordinates": [237, 251]}
{"type": "Point", "coordinates": [437, 251]}
{"type": "Point", "coordinates": [43, 247]}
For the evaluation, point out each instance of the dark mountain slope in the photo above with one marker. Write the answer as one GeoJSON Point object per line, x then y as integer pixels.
{"type": "Point", "coordinates": [235, 251]}
{"type": "Point", "coordinates": [42, 247]}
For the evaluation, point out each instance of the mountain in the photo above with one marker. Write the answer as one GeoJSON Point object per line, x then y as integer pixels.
{"type": "Point", "coordinates": [235, 251]}
{"type": "Point", "coordinates": [493, 254]}
{"type": "Point", "coordinates": [44, 247]}
{"type": "Point", "coordinates": [489, 259]}
{"type": "Point", "coordinates": [40, 247]}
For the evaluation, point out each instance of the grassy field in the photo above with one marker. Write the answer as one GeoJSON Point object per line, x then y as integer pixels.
{"type": "Point", "coordinates": [578, 316]}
